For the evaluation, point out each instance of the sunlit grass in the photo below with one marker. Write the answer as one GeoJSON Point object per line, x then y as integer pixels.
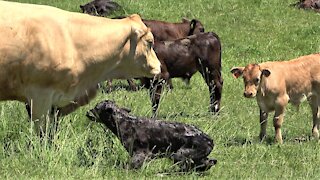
{"type": "Point", "coordinates": [250, 31]}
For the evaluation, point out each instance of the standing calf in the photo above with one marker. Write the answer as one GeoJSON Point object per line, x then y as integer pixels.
{"type": "Point", "coordinates": [148, 138]}
{"type": "Point", "coordinates": [275, 84]}
{"type": "Point", "coordinates": [183, 58]}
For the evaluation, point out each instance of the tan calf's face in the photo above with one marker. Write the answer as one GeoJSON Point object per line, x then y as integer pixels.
{"type": "Point", "coordinates": [251, 78]}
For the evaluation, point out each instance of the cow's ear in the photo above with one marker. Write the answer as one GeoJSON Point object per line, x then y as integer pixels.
{"type": "Point", "coordinates": [193, 24]}
{"type": "Point", "coordinates": [237, 71]}
{"type": "Point", "coordinates": [266, 72]}
{"type": "Point", "coordinates": [185, 20]}
{"type": "Point", "coordinates": [138, 33]}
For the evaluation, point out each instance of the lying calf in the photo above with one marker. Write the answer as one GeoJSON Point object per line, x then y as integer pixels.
{"type": "Point", "coordinates": [148, 138]}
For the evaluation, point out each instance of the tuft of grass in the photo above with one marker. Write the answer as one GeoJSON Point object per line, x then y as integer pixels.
{"type": "Point", "coordinates": [250, 31]}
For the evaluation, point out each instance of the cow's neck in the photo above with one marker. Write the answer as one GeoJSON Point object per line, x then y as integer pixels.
{"type": "Point", "coordinates": [96, 48]}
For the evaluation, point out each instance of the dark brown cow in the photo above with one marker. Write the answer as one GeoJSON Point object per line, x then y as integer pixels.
{"type": "Point", "coordinates": [145, 139]}
{"type": "Point", "coordinates": [163, 31]}
{"type": "Point", "coordinates": [167, 31]}
{"type": "Point", "coordinates": [183, 58]}
{"type": "Point", "coordinates": [308, 4]}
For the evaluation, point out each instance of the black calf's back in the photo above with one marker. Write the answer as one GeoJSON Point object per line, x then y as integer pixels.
{"type": "Point", "coordinates": [147, 138]}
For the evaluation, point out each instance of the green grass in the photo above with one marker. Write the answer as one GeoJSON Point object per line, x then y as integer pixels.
{"type": "Point", "coordinates": [250, 31]}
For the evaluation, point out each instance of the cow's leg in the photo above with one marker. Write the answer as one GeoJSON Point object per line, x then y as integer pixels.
{"type": "Point", "coordinates": [169, 83]}
{"type": "Point", "coordinates": [277, 122]}
{"type": "Point", "coordinates": [263, 124]}
{"type": "Point", "coordinates": [132, 85]}
{"type": "Point", "coordinates": [40, 113]}
{"type": "Point", "coordinates": [155, 95]}
{"type": "Point", "coordinates": [214, 81]}
{"type": "Point", "coordinates": [315, 107]}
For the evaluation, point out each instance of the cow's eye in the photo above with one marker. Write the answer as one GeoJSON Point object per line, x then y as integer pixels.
{"type": "Point", "coordinates": [256, 81]}
{"type": "Point", "coordinates": [150, 44]}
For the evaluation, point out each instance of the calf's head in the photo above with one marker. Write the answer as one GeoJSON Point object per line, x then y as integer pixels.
{"type": "Point", "coordinates": [107, 113]}
{"type": "Point", "coordinates": [252, 75]}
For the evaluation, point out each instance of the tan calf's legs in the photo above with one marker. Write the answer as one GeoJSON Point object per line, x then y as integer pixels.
{"type": "Point", "coordinates": [315, 107]}
{"type": "Point", "coordinates": [263, 124]}
{"type": "Point", "coordinates": [277, 123]}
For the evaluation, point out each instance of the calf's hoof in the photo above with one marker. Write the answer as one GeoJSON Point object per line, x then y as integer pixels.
{"type": "Point", "coordinates": [206, 165]}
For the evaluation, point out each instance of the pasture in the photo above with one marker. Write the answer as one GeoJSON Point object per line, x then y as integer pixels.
{"type": "Point", "coordinates": [250, 31]}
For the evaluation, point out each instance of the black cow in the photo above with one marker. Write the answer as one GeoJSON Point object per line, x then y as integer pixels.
{"type": "Point", "coordinates": [183, 58]}
{"type": "Point", "coordinates": [145, 139]}
{"type": "Point", "coordinates": [99, 7]}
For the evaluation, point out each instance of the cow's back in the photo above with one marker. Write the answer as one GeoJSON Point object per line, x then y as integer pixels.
{"type": "Point", "coordinates": [297, 78]}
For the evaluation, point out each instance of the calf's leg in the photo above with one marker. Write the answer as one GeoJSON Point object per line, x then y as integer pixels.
{"type": "Point", "coordinates": [277, 122]}
{"type": "Point", "coordinates": [155, 94]}
{"type": "Point", "coordinates": [263, 124]}
{"type": "Point", "coordinates": [193, 156]}
{"type": "Point", "coordinates": [214, 81]}
{"type": "Point", "coordinates": [315, 103]}
{"type": "Point", "coordinates": [139, 157]}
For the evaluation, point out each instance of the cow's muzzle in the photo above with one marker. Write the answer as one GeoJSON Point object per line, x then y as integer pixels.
{"type": "Point", "coordinates": [249, 94]}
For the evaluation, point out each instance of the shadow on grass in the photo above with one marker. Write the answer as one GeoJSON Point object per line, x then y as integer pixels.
{"type": "Point", "coordinates": [242, 141]}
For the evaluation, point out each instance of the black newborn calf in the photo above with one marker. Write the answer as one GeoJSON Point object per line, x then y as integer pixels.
{"type": "Point", "coordinates": [149, 138]}
{"type": "Point", "coordinates": [99, 7]}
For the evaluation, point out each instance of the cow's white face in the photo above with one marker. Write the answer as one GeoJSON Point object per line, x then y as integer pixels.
{"type": "Point", "coordinates": [251, 78]}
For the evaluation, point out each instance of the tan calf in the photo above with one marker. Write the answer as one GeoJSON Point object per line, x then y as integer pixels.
{"type": "Point", "coordinates": [54, 58]}
{"type": "Point", "coordinates": [275, 84]}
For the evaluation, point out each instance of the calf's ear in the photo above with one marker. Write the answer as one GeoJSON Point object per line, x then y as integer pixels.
{"type": "Point", "coordinates": [237, 71]}
{"type": "Point", "coordinates": [126, 109]}
{"type": "Point", "coordinates": [266, 72]}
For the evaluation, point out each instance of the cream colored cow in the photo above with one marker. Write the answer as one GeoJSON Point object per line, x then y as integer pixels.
{"type": "Point", "coordinates": [275, 84]}
{"type": "Point", "coordinates": [51, 58]}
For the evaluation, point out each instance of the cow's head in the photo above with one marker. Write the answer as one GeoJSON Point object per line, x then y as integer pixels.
{"type": "Point", "coordinates": [107, 113]}
{"type": "Point", "coordinates": [196, 26]}
{"type": "Point", "coordinates": [142, 60]}
{"type": "Point", "coordinates": [252, 75]}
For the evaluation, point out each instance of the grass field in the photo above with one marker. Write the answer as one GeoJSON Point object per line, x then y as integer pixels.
{"type": "Point", "coordinates": [250, 31]}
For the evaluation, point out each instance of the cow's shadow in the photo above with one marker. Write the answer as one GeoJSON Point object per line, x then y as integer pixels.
{"type": "Point", "coordinates": [269, 140]}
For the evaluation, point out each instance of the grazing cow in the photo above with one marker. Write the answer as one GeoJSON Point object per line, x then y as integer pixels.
{"type": "Point", "coordinates": [149, 138]}
{"type": "Point", "coordinates": [99, 7]}
{"type": "Point", "coordinates": [308, 4]}
{"type": "Point", "coordinates": [275, 84]}
{"type": "Point", "coordinates": [51, 58]}
{"type": "Point", "coordinates": [183, 58]}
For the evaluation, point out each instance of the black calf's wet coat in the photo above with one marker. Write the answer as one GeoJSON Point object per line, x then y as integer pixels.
{"type": "Point", "coordinates": [150, 138]}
